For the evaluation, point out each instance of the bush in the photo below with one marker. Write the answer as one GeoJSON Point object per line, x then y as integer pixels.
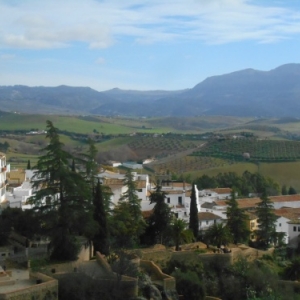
{"type": "Point", "coordinates": [189, 285]}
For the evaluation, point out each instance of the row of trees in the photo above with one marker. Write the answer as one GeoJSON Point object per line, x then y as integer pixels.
{"type": "Point", "coordinates": [245, 184]}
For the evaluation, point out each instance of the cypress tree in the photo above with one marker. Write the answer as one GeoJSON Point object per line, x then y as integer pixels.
{"type": "Point", "coordinates": [28, 165]}
{"type": "Point", "coordinates": [101, 238]}
{"type": "Point", "coordinates": [194, 220]}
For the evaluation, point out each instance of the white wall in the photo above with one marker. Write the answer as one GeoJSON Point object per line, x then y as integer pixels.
{"type": "Point", "coordinates": [283, 226]}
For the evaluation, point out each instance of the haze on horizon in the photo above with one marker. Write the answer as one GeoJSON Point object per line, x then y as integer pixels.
{"type": "Point", "coordinates": [142, 45]}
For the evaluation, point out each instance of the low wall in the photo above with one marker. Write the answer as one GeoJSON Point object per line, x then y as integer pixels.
{"type": "Point", "coordinates": [46, 289]}
{"type": "Point", "coordinates": [168, 282]}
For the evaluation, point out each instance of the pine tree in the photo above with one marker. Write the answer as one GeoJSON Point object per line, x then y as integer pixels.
{"type": "Point", "coordinates": [236, 220]}
{"type": "Point", "coordinates": [62, 196]}
{"type": "Point", "coordinates": [266, 220]}
{"type": "Point", "coordinates": [101, 238]}
{"type": "Point", "coordinates": [160, 219]}
{"type": "Point", "coordinates": [133, 205]}
{"type": "Point", "coordinates": [194, 221]}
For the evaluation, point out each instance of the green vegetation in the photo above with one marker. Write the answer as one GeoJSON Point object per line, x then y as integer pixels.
{"type": "Point", "coordinates": [266, 232]}
{"type": "Point", "coordinates": [65, 191]}
{"type": "Point", "coordinates": [194, 220]}
{"type": "Point", "coordinates": [258, 150]}
{"type": "Point", "coordinates": [236, 221]}
{"type": "Point", "coordinates": [160, 220]}
{"type": "Point", "coordinates": [244, 184]}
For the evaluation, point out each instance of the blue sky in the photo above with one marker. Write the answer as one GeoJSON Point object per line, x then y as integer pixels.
{"type": "Point", "coordinates": [145, 44]}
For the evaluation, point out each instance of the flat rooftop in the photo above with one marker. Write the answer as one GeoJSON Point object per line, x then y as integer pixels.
{"type": "Point", "coordinates": [21, 278]}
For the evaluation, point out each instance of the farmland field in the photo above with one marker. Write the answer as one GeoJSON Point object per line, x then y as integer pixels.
{"type": "Point", "coordinates": [171, 141]}
{"type": "Point", "coordinates": [284, 172]}
{"type": "Point", "coordinates": [259, 150]}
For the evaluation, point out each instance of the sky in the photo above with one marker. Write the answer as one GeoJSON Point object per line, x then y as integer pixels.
{"type": "Point", "coordinates": [145, 44]}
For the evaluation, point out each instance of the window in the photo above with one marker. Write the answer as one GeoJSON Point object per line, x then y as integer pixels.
{"type": "Point", "coordinates": [206, 222]}
{"type": "Point", "coordinates": [139, 190]}
{"type": "Point", "coordinates": [180, 200]}
{"type": "Point", "coordinates": [298, 228]}
{"type": "Point", "coordinates": [215, 221]}
{"type": "Point", "coordinates": [279, 224]}
{"type": "Point", "coordinates": [168, 200]}
{"type": "Point", "coordinates": [294, 228]}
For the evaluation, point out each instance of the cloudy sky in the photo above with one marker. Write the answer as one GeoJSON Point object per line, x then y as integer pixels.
{"type": "Point", "coordinates": [143, 44]}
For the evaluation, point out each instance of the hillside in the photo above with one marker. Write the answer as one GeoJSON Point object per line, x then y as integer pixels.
{"type": "Point", "coordinates": [246, 93]}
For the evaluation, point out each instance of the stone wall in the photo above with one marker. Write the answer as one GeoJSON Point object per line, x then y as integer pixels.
{"type": "Point", "coordinates": [45, 288]}
{"type": "Point", "coordinates": [168, 282]}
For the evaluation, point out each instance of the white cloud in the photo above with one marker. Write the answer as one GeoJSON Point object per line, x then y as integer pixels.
{"type": "Point", "coordinates": [100, 60]}
{"type": "Point", "coordinates": [7, 56]}
{"type": "Point", "coordinates": [99, 24]}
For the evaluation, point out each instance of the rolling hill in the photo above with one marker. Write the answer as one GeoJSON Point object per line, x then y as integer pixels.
{"type": "Point", "coordinates": [245, 93]}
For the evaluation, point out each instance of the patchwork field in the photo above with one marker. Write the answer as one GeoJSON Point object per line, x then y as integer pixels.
{"type": "Point", "coordinates": [171, 141]}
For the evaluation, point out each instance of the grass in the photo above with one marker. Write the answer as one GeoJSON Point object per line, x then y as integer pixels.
{"type": "Point", "coordinates": [284, 173]}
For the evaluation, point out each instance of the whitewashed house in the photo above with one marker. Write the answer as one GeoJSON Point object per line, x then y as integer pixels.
{"type": "Point", "coordinates": [294, 233]}
{"type": "Point", "coordinates": [4, 168]}
{"type": "Point", "coordinates": [207, 219]}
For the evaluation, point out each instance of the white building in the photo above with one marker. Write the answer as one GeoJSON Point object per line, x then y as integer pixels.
{"type": "Point", "coordinates": [294, 233]}
{"type": "Point", "coordinates": [4, 168]}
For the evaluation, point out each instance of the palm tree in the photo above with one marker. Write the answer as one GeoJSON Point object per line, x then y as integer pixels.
{"type": "Point", "coordinates": [218, 234]}
{"type": "Point", "coordinates": [180, 233]}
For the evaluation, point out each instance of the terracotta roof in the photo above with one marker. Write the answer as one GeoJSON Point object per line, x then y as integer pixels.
{"type": "Point", "coordinates": [207, 216]}
{"type": "Point", "coordinates": [288, 212]}
{"type": "Point", "coordinates": [221, 190]}
{"type": "Point", "coordinates": [181, 185]}
{"type": "Point", "coordinates": [208, 205]}
{"type": "Point", "coordinates": [252, 202]}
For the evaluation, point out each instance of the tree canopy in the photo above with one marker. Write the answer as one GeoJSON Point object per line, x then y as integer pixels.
{"type": "Point", "coordinates": [236, 220]}
{"type": "Point", "coordinates": [61, 193]}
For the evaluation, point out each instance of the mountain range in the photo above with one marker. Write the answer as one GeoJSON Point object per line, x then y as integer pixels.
{"type": "Point", "coordinates": [249, 92]}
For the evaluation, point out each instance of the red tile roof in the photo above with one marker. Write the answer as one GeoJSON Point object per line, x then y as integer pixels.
{"type": "Point", "coordinates": [207, 216]}
{"type": "Point", "coordinates": [252, 202]}
{"type": "Point", "coordinates": [222, 190]}
{"type": "Point", "coordinates": [288, 212]}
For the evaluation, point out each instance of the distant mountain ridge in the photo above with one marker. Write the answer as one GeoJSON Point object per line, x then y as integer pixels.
{"type": "Point", "coordinates": [248, 92]}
